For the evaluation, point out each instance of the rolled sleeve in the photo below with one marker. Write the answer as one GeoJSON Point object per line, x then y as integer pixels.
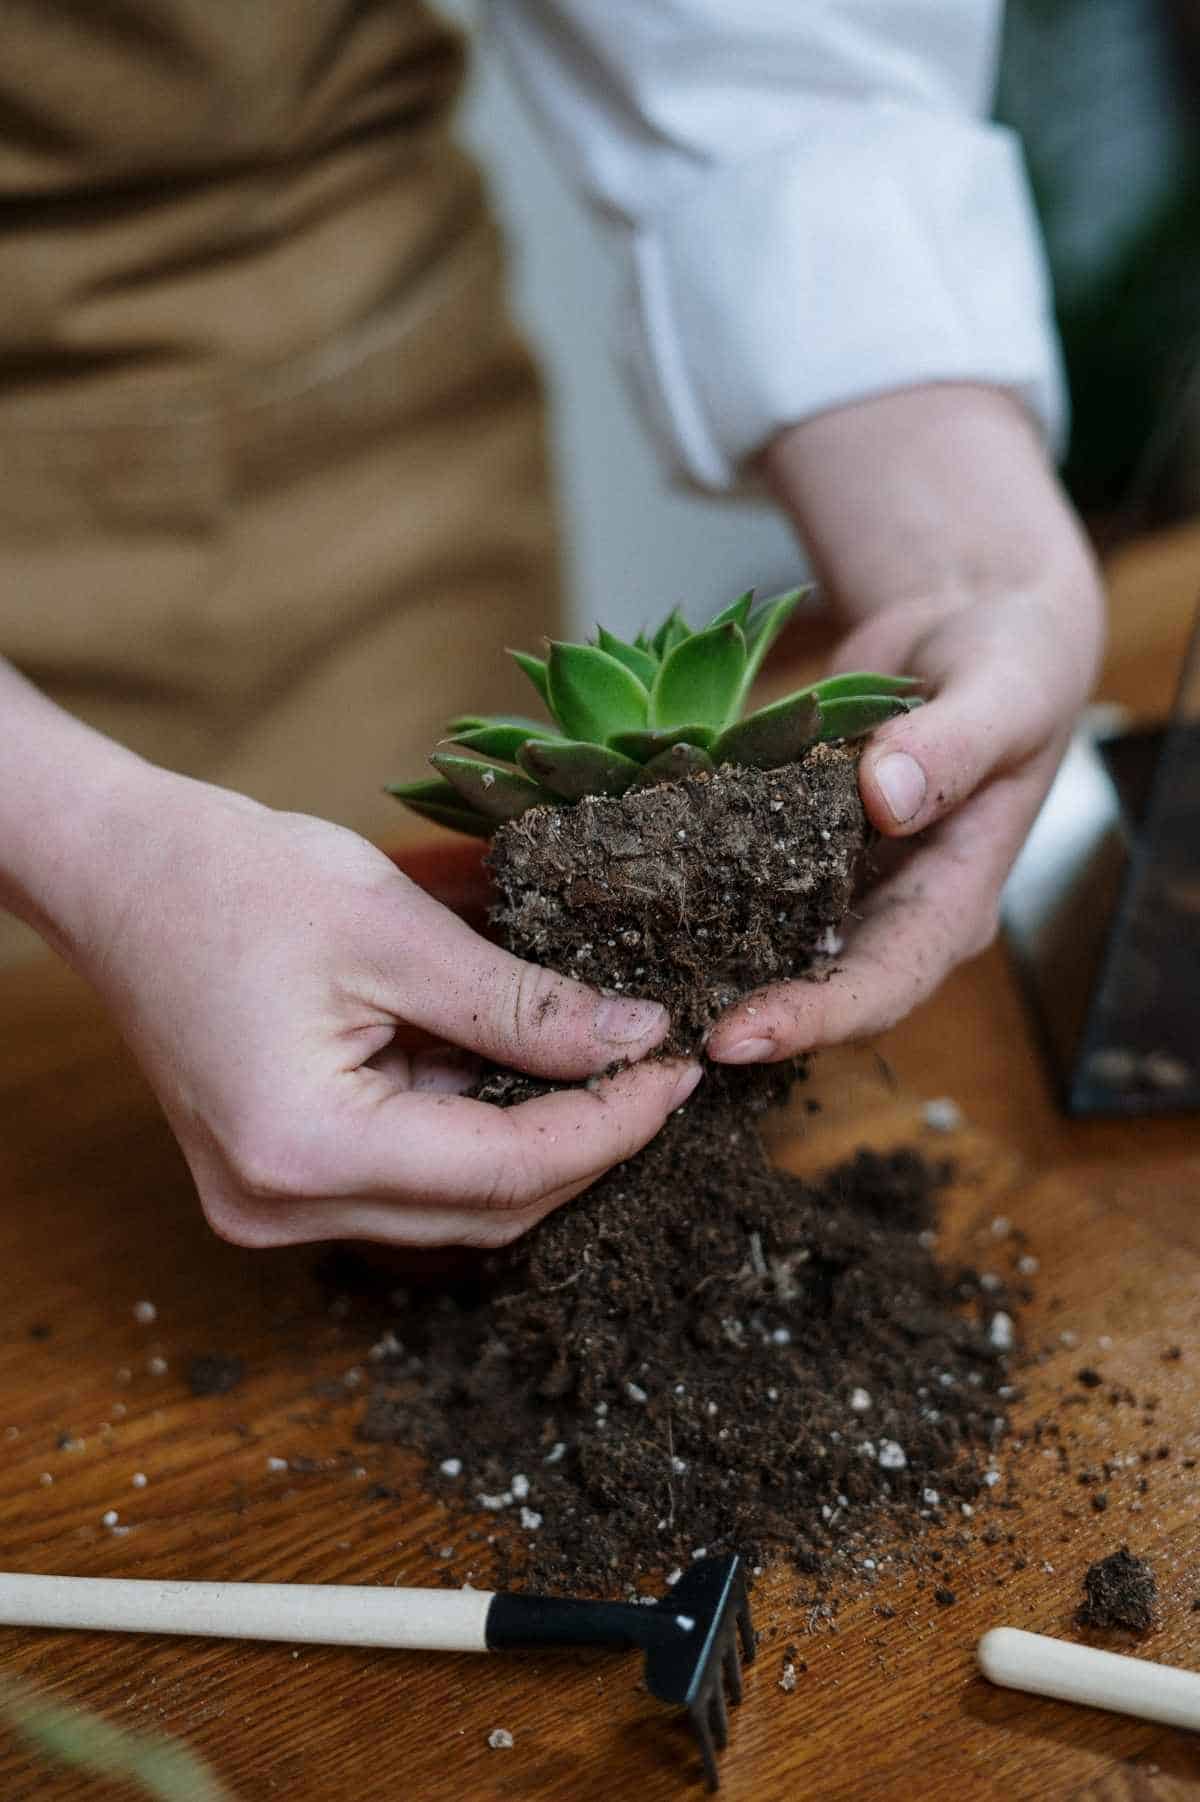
{"type": "Point", "coordinates": [810, 204]}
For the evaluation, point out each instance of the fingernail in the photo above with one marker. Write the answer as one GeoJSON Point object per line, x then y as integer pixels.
{"type": "Point", "coordinates": [902, 784]}
{"type": "Point", "coordinates": [686, 1084]}
{"type": "Point", "coordinates": [624, 1022]}
{"type": "Point", "coordinates": [746, 1051]}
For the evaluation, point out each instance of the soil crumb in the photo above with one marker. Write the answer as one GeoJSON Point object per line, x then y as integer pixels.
{"type": "Point", "coordinates": [214, 1373]}
{"type": "Point", "coordinates": [707, 1354]}
{"type": "Point", "coordinates": [1119, 1591]}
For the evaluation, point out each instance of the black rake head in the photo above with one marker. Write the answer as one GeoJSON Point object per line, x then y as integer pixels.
{"type": "Point", "coordinates": [690, 1639]}
{"type": "Point", "coordinates": [710, 1610]}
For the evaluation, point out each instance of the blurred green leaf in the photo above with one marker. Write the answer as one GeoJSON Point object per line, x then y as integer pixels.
{"type": "Point", "coordinates": [163, 1768]}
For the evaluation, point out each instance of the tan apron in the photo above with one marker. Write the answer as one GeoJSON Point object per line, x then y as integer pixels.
{"type": "Point", "coordinates": [273, 490]}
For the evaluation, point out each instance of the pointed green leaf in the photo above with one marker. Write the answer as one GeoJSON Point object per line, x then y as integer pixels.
{"type": "Point", "coordinates": [489, 788]}
{"type": "Point", "coordinates": [774, 735]}
{"type": "Point", "coordinates": [592, 695]}
{"type": "Point", "coordinates": [673, 631]}
{"type": "Point", "coordinates": [701, 679]}
{"type": "Point", "coordinates": [738, 611]}
{"type": "Point", "coordinates": [643, 664]}
{"type": "Point", "coordinates": [473, 722]}
{"type": "Point", "coordinates": [571, 769]}
{"type": "Point", "coordinates": [535, 669]}
{"type": "Point", "coordinates": [762, 629]}
{"type": "Point", "coordinates": [642, 643]}
{"type": "Point", "coordinates": [498, 739]}
{"type": "Point", "coordinates": [642, 746]}
{"type": "Point", "coordinates": [435, 800]}
{"type": "Point", "coordinates": [860, 714]}
{"type": "Point", "coordinates": [862, 682]}
{"type": "Point", "coordinates": [674, 764]}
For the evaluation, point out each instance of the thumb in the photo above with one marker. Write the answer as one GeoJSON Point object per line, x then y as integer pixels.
{"type": "Point", "coordinates": [460, 987]}
{"type": "Point", "coordinates": [921, 767]}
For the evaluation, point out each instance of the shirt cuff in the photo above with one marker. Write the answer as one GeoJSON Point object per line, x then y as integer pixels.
{"type": "Point", "coordinates": [886, 249]}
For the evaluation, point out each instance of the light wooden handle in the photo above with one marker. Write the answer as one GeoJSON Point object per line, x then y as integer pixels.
{"type": "Point", "coordinates": [1053, 1667]}
{"type": "Point", "coordinates": [434, 1620]}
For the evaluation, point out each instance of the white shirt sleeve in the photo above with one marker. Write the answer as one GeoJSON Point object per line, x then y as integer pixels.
{"type": "Point", "coordinates": [812, 202]}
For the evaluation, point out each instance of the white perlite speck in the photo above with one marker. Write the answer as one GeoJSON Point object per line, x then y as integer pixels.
{"type": "Point", "coordinates": [494, 1503]}
{"type": "Point", "coordinates": [930, 1497]}
{"type": "Point", "coordinates": [1000, 1332]}
{"type": "Point", "coordinates": [942, 1115]}
{"type": "Point", "coordinates": [557, 1452]}
{"type": "Point", "coordinates": [139, 1479]}
{"type": "Point", "coordinates": [891, 1455]}
{"type": "Point", "coordinates": [110, 1519]}
{"type": "Point", "coordinates": [277, 1463]}
{"type": "Point", "coordinates": [500, 1739]}
{"type": "Point", "coordinates": [860, 1400]}
{"type": "Point", "coordinates": [781, 1336]}
{"type": "Point", "coordinates": [157, 1367]}
{"type": "Point", "coordinates": [678, 1465]}
{"type": "Point", "coordinates": [520, 1487]}
{"type": "Point", "coordinates": [531, 1520]}
{"type": "Point", "coordinates": [787, 1680]}
{"type": "Point", "coordinates": [451, 1467]}
{"type": "Point", "coordinates": [145, 1313]}
{"type": "Point", "coordinates": [635, 1392]}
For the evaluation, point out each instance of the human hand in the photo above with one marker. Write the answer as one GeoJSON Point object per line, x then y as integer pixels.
{"type": "Point", "coordinates": [266, 968]}
{"type": "Point", "coordinates": [939, 532]}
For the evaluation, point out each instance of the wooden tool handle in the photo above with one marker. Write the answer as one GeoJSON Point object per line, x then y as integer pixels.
{"type": "Point", "coordinates": [433, 1620]}
{"type": "Point", "coordinates": [1054, 1667]}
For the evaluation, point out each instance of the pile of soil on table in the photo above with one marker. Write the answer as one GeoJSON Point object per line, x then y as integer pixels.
{"type": "Point", "coordinates": [705, 1352]}
{"type": "Point", "coordinates": [692, 892]}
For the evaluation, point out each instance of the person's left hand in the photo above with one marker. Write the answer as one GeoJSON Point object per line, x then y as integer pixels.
{"type": "Point", "coordinates": [999, 610]}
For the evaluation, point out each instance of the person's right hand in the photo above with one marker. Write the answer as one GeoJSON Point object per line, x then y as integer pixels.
{"type": "Point", "coordinates": [261, 966]}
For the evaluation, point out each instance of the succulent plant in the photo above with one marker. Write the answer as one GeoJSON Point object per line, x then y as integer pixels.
{"type": "Point", "coordinates": [625, 715]}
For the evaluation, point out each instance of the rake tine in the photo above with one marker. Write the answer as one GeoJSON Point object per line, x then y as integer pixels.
{"type": "Point", "coordinates": [733, 1670]}
{"type": "Point", "coordinates": [700, 1727]}
{"type": "Point", "coordinates": [718, 1714]}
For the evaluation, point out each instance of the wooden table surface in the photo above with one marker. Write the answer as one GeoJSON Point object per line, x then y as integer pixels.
{"type": "Point", "coordinates": [98, 1216]}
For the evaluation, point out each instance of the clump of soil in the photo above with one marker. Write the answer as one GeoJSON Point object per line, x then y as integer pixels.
{"type": "Point", "coordinates": [706, 1353]}
{"type": "Point", "coordinates": [214, 1373]}
{"type": "Point", "coordinates": [688, 892]}
{"type": "Point", "coordinates": [1119, 1591]}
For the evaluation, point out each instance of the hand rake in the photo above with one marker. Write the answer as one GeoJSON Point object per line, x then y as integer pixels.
{"type": "Point", "coordinates": [690, 1637]}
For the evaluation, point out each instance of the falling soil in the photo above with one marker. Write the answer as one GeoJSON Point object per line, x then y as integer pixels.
{"type": "Point", "coordinates": [1119, 1591]}
{"type": "Point", "coordinates": [707, 1353]}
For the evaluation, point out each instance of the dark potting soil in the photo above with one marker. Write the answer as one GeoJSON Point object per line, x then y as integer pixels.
{"type": "Point", "coordinates": [705, 1352]}
{"type": "Point", "coordinates": [1119, 1591]}
{"type": "Point", "coordinates": [214, 1373]}
{"type": "Point", "coordinates": [688, 892]}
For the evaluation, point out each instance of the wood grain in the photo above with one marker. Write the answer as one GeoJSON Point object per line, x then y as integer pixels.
{"type": "Point", "coordinates": [98, 1215]}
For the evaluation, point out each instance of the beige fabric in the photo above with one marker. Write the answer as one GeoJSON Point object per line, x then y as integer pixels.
{"type": "Point", "coordinates": [273, 490]}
